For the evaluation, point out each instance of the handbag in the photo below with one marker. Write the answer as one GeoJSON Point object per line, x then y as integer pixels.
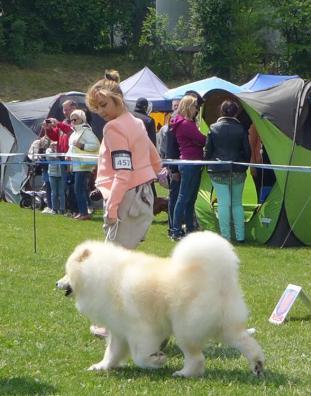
{"type": "Point", "coordinates": [84, 162]}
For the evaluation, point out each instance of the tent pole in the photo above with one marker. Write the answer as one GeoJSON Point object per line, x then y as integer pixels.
{"type": "Point", "coordinates": [230, 188]}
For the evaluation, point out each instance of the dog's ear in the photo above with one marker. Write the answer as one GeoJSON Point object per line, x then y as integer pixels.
{"type": "Point", "coordinates": [85, 254]}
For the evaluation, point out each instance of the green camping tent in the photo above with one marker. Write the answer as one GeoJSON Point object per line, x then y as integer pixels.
{"type": "Point", "coordinates": [278, 212]}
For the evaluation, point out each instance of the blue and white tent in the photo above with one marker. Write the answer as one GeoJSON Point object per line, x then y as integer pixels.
{"type": "Point", "coordinates": [202, 87]}
{"type": "Point", "coordinates": [264, 81]}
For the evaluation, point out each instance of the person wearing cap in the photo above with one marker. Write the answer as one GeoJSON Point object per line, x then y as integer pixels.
{"type": "Point", "coordinates": [140, 112]}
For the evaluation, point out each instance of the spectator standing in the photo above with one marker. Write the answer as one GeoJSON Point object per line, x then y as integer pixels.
{"type": "Point", "coordinates": [56, 179]}
{"type": "Point", "coordinates": [39, 146]}
{"type": "Point", "coordinates": [81, 141]}
{"type": "Point", "coordinates": [191, 142]}
{"type": "Point", "coordinates": [60, 132]}
{"type": "Point", "coordinates": [140, 112]}
{"type": "Point", "coordinates": [68, 107]}
{"type": "Point", "coordinates": [168, 149]}
{"type": "Point", "coordinates": [162, 134]}
{"type": "Point", "coordinates": [228, 141]}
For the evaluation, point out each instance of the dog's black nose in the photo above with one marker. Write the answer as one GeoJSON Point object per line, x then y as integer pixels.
{"type": "Point", "coordinates": [68, 291]}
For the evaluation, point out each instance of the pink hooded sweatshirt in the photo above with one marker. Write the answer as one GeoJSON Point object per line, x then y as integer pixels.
{"type": "Point", "coordinates": [127, 158]}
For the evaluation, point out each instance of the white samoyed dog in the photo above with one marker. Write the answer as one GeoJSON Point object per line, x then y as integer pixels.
{"type": "Point", "coordinates": [142, 300]}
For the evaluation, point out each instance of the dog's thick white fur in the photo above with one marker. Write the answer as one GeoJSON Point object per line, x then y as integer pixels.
{"type": "Point", "coordinates": [142, 300]}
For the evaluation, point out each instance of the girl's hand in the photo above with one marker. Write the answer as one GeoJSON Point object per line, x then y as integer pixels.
{"type": "Point", "coordinates": [111, 220]}
{"type": "Point", "coordinates": [79, 145]}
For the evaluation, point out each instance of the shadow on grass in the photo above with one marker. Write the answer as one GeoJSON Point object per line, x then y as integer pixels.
{"type": "Point", "coordinates": [246, 377]}
{"type": "Point", "coordinates": [210, 351]}
{"type": "Point", "coordinates": [221, 375]}
{"type": "Point", "coordinates": [25, 386]}
{"type": "Point", "coordinates": [159, 221]}
{"type": "Point", "coordinates": [298, 318]}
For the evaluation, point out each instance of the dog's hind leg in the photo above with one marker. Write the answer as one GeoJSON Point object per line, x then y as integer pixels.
{"type": "Point", "coordinates": [249, 347]}
{"type": "Point", "coordinates": [145, 351]}
{"type": "Point", "coordinates": [194, 363]}
{"type": "Point", "coordinates": [116, 351]}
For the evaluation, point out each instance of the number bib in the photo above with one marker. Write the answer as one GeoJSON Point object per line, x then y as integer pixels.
{"type": "Point", "coordinates": [121, 159]}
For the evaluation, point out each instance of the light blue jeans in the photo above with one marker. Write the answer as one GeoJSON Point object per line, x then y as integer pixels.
{"type": "Point", "coordinates": [58, 193]}
{"type": "Point", "coordinates": [228, 204]}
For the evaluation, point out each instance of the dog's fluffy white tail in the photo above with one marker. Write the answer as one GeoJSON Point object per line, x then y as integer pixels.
{"type": "Point", "coordinates": [216, 263]}
{"type": "Point", "coordinates": [209, 249]}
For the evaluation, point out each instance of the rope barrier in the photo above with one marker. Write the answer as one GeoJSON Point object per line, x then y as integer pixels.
{"type": "Point", "coordinates": [93, 161]}
{"type": "Point", "coordinates": [40, 159]}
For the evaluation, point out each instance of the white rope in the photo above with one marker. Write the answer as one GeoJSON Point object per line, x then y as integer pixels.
{"type": "Point", "coordinates": [295, 168]}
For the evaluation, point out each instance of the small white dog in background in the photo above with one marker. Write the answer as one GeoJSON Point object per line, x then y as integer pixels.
{"type": "Point", "coordinates": [143, 299]}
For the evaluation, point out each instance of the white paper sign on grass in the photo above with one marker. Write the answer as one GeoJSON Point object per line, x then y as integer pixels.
{"type": "Point", "coordinates": [286, 302]}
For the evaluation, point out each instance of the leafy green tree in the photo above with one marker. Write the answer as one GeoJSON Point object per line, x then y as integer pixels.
{"type": "Point", "coordinates": [213, 22]}
{"type": "Point", "coordinates": [69, 26]}
{"type": "Point", "coordinates": [160, 47]}
{"type": "Point", "coordinates": [293, 20]}
{"type": "Point", "coordinates": [118, 16]}
{"type": "Point", "coordinates": [229, 35]}
{"type": "Point", "coordinates": [251, 39]}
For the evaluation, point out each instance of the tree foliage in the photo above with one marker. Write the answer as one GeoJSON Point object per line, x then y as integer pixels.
{"type": "Point", "coordinates": [68, 25]}
{"type": "Point", "coordinates": [230, 36]}
{"type": "Point", "coordinates": [233, 39]}
{"type": "Point", "coordinates": [293, 19]}
{"type": "Point", "coordinates": [240, 37]}
{"type": "Point", "coordinates": [160, 47]}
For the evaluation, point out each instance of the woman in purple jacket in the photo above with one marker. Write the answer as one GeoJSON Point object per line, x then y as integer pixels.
{"type": "Point", "coordinates": [191, 142]}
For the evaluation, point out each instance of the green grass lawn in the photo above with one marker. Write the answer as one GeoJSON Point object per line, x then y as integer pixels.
{"type": "Point", "coordinates": [46, 346]}
{"type": "Point", "coordinates": [51, 74]}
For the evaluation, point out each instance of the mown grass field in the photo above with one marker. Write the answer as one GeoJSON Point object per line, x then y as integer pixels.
{"type": "Point", "coordinates": [46, 347]}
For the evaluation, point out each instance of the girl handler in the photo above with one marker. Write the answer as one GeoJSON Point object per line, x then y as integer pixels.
{"type": "Point", "coordinates": [128, 162]}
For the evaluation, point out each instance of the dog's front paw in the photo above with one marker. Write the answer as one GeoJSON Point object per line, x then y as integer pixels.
{"type": "Point", "coordinates": [258, 368]}
{"type": "Point", "coordinates": [98, 367]}
{"type": "Point", "coordinates": [186, 374]}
